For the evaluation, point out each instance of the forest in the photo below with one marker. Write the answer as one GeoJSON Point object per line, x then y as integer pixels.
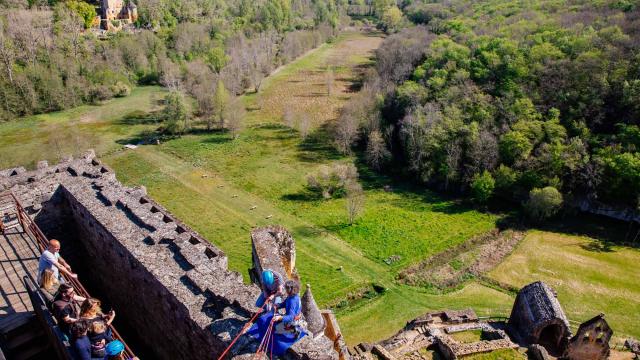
{"type": "Point", "coordinates": [52, 60]}
{"type": "Point", "coordinates": [532, 102]}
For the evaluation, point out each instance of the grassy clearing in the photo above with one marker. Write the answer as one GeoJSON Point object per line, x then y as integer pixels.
{"type": "Point", "coordinates": [588, 277]}
{"type": "Point", "coordinates": [268, 161]}
{"type": "Point", "coordinates": [381, 317]}
{"type": "Point", "coordinates": [468, 336]}
{"type": "Point", "coordinates": [224, 217]}
{"type": "Point", "coordinates": [503, 354]}
{"type": "Point", "coordinates": [101, 127]}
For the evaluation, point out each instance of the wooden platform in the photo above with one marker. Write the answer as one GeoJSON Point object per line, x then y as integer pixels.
{"type": "Point", "coordinates": [19, 256]}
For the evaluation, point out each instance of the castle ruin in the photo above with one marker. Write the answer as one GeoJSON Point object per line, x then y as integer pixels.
{"type": "Point", "coordinates": [172, 286]}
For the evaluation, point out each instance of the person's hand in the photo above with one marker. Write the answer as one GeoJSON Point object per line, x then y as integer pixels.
{"type": "Point", "coordinates": [75, 276]}
{"type": "Point", "coordinates": [68, 267]}
{"type": "Point", "coordinates": [277, 318]}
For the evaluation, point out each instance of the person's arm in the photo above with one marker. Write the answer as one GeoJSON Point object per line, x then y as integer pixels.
{"type": "Point", "coordinates": [65, 270]}
{"type": "Point", "coordinates": [109, 318]}
{"type": "Point", "coordinates": [261, 300]}
{"type": "Point", "coordinates": [64, 263]}
{"type": "Point", "coordinates": [293, 309]}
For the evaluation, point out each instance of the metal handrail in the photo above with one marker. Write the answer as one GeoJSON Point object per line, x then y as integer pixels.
{"type": "Point", "coordinates": [30, 226]}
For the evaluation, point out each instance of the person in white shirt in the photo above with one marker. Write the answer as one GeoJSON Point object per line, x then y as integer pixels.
{"type": "Point", "coordinates": [51, 259]}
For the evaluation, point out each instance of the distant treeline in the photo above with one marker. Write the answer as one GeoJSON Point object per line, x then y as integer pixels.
{"type": "Point", "coordinates": [534, 101]}
{"type": "Point", "coordinates": [49, 61]}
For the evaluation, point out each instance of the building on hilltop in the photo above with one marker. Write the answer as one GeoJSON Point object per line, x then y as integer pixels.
{"type": "Point", "coordinates": [117, 12]}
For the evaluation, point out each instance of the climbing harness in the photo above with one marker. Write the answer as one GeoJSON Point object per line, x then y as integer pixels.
{"type": "Point", "coordinates": [246, 326]}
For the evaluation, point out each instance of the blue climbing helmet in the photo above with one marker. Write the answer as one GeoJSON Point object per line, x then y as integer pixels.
{"type": "Point", "coordinates": [267, 278]}
{"type": "Point", "coordinates": [114, 348]}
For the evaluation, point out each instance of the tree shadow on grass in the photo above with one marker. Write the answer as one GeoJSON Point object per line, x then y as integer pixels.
{"type": "Point", "coordinates": [317, 148]}
{"type": "Point", "coordinates": [408, 191]}
{"type": "Point", "coordinates": [607, 232]}
{"type": "Point", "coordinates": [138, 117]}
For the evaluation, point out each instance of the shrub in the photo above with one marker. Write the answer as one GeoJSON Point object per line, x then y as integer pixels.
{"type": "Point", "coordinates": [120, 89]}
{"type": "Point", "coordinates": [543, 203]}
{"type": "Point", "coordinates": [331, 181]}
{"type": "Point", "coordinates": [482, 187]}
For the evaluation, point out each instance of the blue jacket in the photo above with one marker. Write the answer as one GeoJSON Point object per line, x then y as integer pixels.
{"type": "Point", "coordinates": [293, 307]}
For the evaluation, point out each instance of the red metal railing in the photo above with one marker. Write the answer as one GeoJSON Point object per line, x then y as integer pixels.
{"type": "Point", "coordinates": [30, 227]}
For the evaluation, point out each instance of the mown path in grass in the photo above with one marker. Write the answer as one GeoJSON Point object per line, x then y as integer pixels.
{"type": "Point", "coordinates": [590, 278]}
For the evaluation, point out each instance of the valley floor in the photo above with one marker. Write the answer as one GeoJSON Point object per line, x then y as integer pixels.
{"type": "Point", "coordinates": [224, 187]}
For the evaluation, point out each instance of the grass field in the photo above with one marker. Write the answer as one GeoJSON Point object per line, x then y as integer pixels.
{"type": "Point", "coordinates": [103, 128]}
{"type": "Point", "coordinates": [211, 182]}
{"type": "Point", "coordinates": [589, 279]}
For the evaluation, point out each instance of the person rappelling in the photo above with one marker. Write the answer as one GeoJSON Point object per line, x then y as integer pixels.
{"type": "Point", "coordinates": [272, 285]}
{"type": "Point", "coordinates": [278, 324]}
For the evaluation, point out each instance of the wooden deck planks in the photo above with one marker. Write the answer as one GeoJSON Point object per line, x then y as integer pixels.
{"type": "Point", "coordinates": [18, 257]}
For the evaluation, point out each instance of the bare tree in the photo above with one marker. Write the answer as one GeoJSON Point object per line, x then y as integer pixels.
{"type": "Point", "coordinates": [453, 152]}
{"type": "Point", "coordinates": [235, 117]}
{"type": "Point", "coordinates": [31, 30]}
{"type": "Point", "coordinates": [377, 152]}
{"type": "Point", "coordinates": [7, 53]}
{"type": "Point", "coordinates": [355, 201]}
{"type": "Point", "coordinates": [169, 74]}
{"type": "Point", "coordinates": [72, 27]}
{"type": "Point", "coordinates": [288, 116]}
{"type": "Point", "coordinates": [346, 131]}
{"type": "Point", "coordinates": [329, 79]}
{"type": "Point", "coordinates": [304, 125]}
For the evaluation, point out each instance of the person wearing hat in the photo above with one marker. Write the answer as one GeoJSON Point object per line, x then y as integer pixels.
{"type": "Point", "coordinates": [115, 351]}
{"type": "Point", "coordinates": [272, 289]}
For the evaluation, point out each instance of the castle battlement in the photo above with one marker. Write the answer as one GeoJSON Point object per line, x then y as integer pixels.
{"type": "Point", "coordinates": [169, 282]}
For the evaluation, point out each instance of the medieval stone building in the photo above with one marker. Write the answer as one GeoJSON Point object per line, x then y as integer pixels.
{"type": "Point", "coordinates": [538, 318]}
{"type": "Point", "coordinates": [121, 10]}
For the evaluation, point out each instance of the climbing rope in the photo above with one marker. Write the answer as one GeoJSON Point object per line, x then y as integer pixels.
{"type": "Point", "coordinates": [268, 338]}
{"type": "Point", "coordinates": [246, 326]}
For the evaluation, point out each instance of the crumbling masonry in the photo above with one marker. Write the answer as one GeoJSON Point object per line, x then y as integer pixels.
{"type": "Point", "coordinates": [164, 278]}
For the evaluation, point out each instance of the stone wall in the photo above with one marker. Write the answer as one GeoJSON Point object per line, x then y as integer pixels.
{"type": "Point", "coordinates": [162, 278]}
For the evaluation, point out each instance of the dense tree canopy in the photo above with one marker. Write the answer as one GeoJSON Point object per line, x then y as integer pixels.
{"type": "Point", "coordinates": [50, 60]}
{"type": "Point", "coordinates": [515, 95]}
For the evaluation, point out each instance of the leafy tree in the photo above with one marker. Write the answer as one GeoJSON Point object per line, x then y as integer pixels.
{"type": "Point", "coordinates": [86, 11]}
{"type": "Point", "coordinates": [391, 19]}
{"type": "Point", "coordinates": [482, 187]}
{"type": "Point", "coordinates": [543, 203]}
{"type": "Point", "coordinates": [331, 181]}
{"type": "Point", "coordinates": [175, 114]}
{"type": "Point", "coordinates": [505, 177]}
{"type": "Point", "coordinates": [220, 104]}
{"type": "Point", "coordinates": [515, 146]}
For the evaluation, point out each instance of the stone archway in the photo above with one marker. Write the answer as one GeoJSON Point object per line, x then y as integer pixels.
{"type": "Point", "coordinates": [551, 338]}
